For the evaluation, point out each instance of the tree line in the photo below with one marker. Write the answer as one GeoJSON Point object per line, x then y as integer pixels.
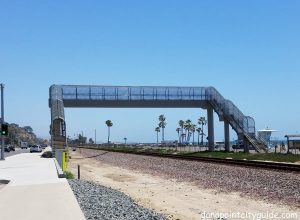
{"type": "Point", "coordinates": [185, 131]}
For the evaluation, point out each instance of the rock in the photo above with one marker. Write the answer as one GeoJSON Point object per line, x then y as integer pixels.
{"type": "Point", "coordinates": [99, 202]}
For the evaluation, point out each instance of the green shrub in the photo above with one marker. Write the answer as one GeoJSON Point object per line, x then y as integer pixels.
{"type": "Point", "coordinates": [47, 154]}
{"type": "Point", "coordinates": [69, 175]}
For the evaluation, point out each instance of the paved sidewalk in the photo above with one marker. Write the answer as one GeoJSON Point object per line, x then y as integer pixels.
{"type": "Point", "coordinates": [35, 192]}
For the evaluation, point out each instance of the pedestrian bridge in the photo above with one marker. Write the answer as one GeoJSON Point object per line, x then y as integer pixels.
{"type": "Point", "coordinates": [77, 96]}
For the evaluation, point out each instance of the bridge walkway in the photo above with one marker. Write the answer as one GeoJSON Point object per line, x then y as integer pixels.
{"type": "Point", "coordinates": [209, 98]}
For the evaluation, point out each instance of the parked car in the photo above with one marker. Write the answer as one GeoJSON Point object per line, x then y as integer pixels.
{"type": "Point", "coordinates": [35, 148]}
{"type": "Point", "coordinates": [238, 146]}
{"type": "Point", "coordinates": [24, 145]}
{"type": "Point", "coordinates": [43, 146]}
{"type": "Point", "coordinates": [6, 149]}
{"type": "Point", "coordinates": [12, 148]}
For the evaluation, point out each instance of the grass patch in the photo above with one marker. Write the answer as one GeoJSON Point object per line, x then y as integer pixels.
{"type": "Point", "coordinates": [69, 175]}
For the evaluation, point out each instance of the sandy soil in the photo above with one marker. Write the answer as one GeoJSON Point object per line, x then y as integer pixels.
{"type": "Point", "coordinates": [175, 200]}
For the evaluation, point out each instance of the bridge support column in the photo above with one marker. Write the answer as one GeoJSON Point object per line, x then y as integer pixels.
{"type": "Point", "coordinates": [226, 136]}
{"type": "Point", "coordinates": [210, 128]}
{"type": "Point", "coordinates": [246, 146]}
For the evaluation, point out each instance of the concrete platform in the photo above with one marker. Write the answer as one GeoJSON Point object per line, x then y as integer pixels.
{"type": "Point", "coordinates": [35, 192]}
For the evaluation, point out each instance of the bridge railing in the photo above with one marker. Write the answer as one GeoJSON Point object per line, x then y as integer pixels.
{"type": "Point", "coordinates": [132, 93]}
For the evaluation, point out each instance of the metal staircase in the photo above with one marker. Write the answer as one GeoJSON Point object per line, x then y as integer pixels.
{"type": "Point", "coordinates": [243, 125]}
{"type": "Point", "coordinates": [258, 145]}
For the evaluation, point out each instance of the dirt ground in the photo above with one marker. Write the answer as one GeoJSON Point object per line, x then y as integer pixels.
{"type": "Point", "coordinates": [176, 200]}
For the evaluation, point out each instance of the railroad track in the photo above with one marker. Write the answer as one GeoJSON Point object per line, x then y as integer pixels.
{"type": "Point", "coordinates": [248, 163]}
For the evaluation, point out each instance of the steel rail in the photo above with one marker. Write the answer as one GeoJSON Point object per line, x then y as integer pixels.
{"type": "Point", "coordinates": [246, 163]}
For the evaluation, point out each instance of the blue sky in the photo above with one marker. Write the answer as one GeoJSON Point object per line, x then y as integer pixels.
{"type": "Point", "coordinates": [248, 50]}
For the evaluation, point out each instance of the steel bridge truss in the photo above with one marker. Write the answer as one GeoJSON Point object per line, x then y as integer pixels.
{"type": "Point", "coordinates": [61, 96]}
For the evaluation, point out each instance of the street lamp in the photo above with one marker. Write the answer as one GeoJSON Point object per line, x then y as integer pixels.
{"type": "Point", "coordinates": [2, 121]}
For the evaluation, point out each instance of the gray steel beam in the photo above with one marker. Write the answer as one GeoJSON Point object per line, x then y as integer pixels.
{"type": "Point", "coordinates": [246, 146]}
{"type": "Point", "coordinates": [135, 103]}
{"type": "Point", "coordinates": [210, 127]}
{"type": "Point", "coordinates": [2, 120]}
{"type": "Point", "coordinates": [226, 136]}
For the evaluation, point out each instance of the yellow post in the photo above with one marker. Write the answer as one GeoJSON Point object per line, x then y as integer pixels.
{"type": "Point", "coordinates": [64, 161]}
{"type": "Point", "coordinates": [67, 159]}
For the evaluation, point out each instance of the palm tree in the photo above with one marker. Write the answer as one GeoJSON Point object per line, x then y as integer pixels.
{"type": "Point", "coordinates": [109, 124]}
{"type": "Point", "coordinates": [125, 139]}
{"type": "Point", "coordinates": [157, 130]}
{"type": "Point", "coordinates": [199, 131]}
{"type": "Point", "coordinates": [183, 136]}
{"type": "Point", "coordinates": [162, 124]}
{"type": "Point", "coordinates": [202, 134]}
{"type": "Point", "coordinates": [187, 127]}
{"type": "Point", "coordinates": [193, 129]}
{"type": "Point", "coordinates": [178, 130]}
{"type": "Point", "coordinates": [202, 122]}
{"type": "Point", "coordinates": [181, 125]}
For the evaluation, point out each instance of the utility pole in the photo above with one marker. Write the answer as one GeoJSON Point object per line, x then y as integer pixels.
{"type": "Point", "coordinates": [95, 136]}
{"type": "Point", "coordinates": [2, 121]}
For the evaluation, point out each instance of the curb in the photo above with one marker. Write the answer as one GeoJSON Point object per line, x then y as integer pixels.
{"type": "Point", "coordinates": [60, 173]}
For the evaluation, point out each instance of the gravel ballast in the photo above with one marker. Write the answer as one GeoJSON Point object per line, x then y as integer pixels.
{"type": "Point", "coordinates": [273, 186]}
{"type": "Point", "coordinates": [99, 202]}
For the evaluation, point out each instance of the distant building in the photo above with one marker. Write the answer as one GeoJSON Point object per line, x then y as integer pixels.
{"type": "Point", "coordinates": [265, 135]}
